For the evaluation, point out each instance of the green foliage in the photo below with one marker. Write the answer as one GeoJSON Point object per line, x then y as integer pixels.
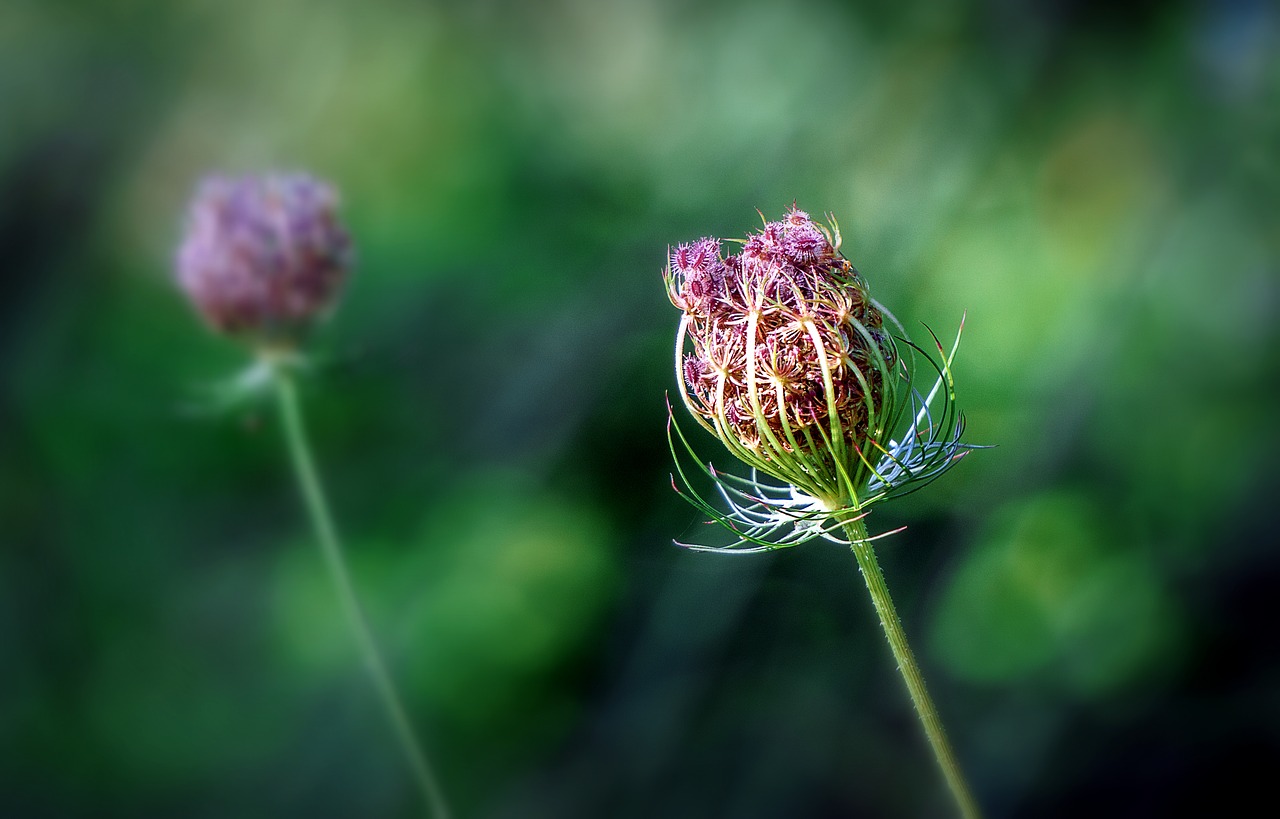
{"type": "Point", "coordinates": [500, 583]}
{"type": "Point", "coordinates": [1056, 595]}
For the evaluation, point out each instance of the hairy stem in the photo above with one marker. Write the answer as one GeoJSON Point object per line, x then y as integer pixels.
{"type": "Point", "coordinates": [327, 535]}
{"type": "Point", "coordinates": [897, 637]}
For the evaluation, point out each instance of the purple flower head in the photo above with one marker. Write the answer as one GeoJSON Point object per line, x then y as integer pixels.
{"type": "Point", "coordinates": [782, 366]}
{"type": "Point", "coordinates": [696, 257]}
{"type": "Point", "coordinates": [804, 243]}
{"type": "Point", "coordinates": [756, 249]}
{"type": "Point", "coordinates": [263, 257]}
{"type": "Point", "coordinates": [700, 270]}
{"type": "Point", "coordinates": [696, 374]}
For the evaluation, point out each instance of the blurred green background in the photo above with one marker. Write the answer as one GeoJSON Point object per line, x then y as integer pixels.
{"type": "Point", "coordinates": [1092, 601]}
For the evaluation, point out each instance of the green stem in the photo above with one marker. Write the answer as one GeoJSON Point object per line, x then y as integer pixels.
{"type": "Point", "coordinates": [318, 509]}
{"type": "Point", "coordinates": [925, 710]}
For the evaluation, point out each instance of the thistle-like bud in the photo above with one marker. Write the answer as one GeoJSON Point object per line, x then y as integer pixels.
{"type": "Point", "coordinates": [783, 355]}
{"type": "Point", "coordinates": [264, 257]}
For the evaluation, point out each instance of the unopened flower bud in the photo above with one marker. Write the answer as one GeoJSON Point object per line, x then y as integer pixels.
{"type": "Point", "coordinates": [784, 356]}
{"type": "Point", "coordinates": [788, 361]}
{"type": "Point", "coordinates": [264, 257]}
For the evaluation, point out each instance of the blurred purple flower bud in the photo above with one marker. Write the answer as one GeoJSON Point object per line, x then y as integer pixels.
{"type": "Point", "coordinates": [263, 257]}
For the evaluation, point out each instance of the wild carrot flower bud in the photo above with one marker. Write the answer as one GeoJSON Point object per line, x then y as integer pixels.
{"type": "Point", "coordinates": [264, 257]}
{"type": "Point", "coordinates": [783, 355]}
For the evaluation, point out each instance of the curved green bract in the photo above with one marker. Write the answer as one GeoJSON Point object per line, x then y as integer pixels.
{"type": "Point", "coordinates": [912, 439]}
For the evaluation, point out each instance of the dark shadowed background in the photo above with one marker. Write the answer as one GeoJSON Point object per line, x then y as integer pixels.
{"type": "Point", "coordinates": [1092, 601]}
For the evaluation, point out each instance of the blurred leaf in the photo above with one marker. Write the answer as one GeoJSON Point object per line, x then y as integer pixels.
{"type": "Point", "coordinates": [1053, 592]}
{"type": "Point", "coordinates": [497, 590]}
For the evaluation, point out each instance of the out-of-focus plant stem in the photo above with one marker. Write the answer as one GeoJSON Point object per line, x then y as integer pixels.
{"type": "Point", "coordinates": [327, 536]}
{"type": "Point", "coordinates": [865, 554]}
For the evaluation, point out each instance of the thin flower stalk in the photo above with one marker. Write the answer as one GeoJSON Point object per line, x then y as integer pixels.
{"type": "Point", "coordinates": [326, 532]}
